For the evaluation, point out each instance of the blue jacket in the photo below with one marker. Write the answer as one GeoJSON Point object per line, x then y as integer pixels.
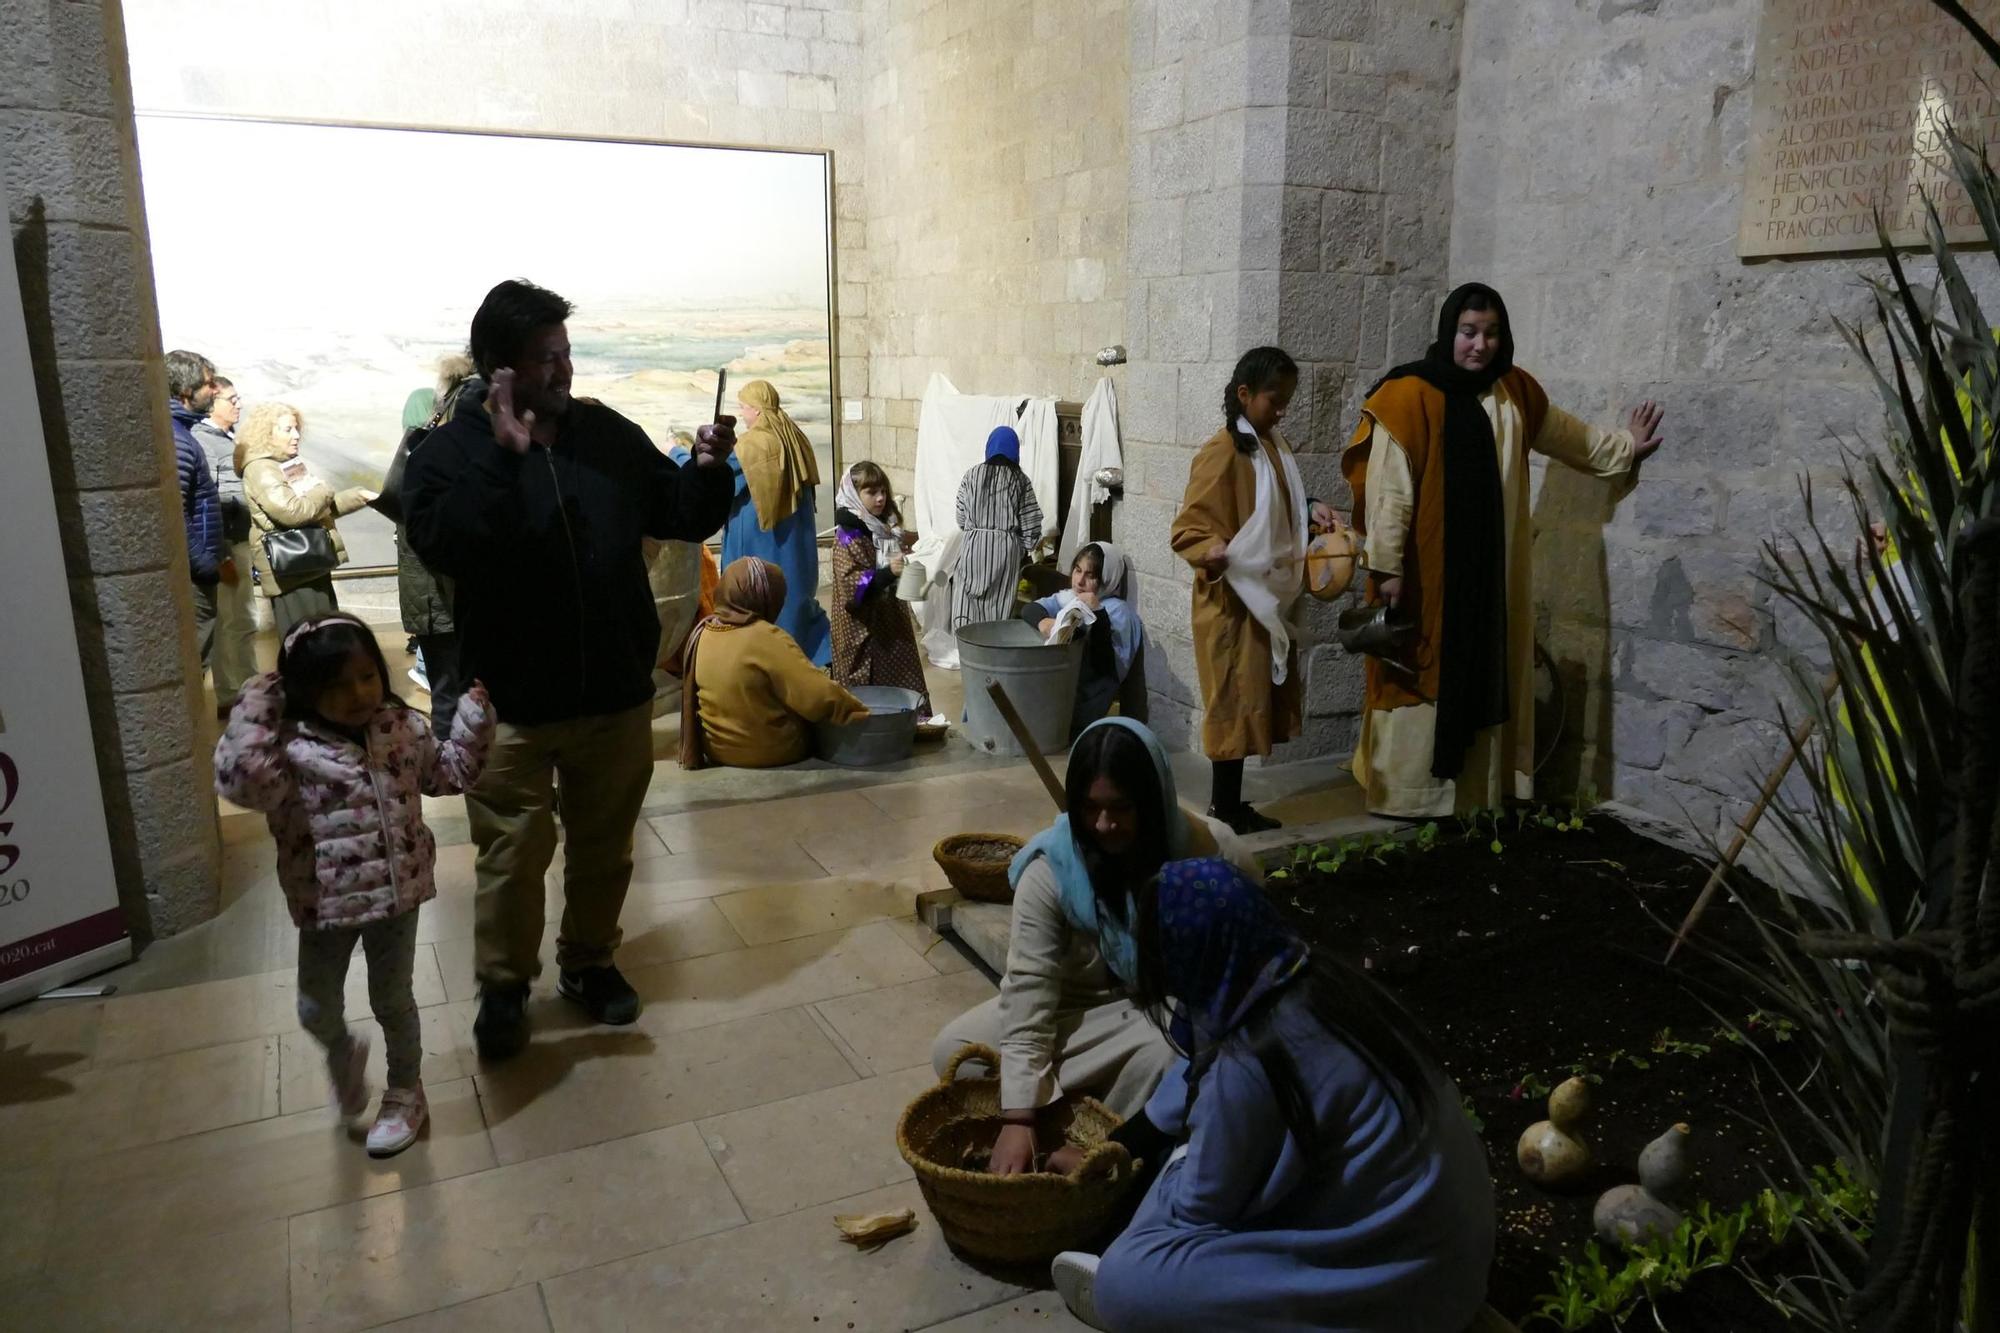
{"type": "Point", "coordinates": [201, 510]}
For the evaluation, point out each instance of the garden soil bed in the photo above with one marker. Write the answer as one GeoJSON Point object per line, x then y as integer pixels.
{"type": "Point", "coordinates": [1548, 955]}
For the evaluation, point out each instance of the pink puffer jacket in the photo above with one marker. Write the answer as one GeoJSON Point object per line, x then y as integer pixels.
{"type": "Point", "coordinates": [347, 817]}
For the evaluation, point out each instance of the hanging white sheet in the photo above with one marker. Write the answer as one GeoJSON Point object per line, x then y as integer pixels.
{"type": "Point", "coordinates": [1100, 450]}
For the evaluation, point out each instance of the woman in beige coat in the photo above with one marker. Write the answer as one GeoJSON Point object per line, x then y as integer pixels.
{"type": "Point", "coordinates": [282, 494]}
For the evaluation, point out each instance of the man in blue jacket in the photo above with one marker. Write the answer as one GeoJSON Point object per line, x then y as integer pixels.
{"type": "Point", "coordinates": [537, 505]}
{"type": "Point", "coordinates": [191, 391]}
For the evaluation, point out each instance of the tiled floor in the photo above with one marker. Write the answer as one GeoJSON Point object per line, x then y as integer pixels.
{"type": "Point", "coordinates": [167, 1158]}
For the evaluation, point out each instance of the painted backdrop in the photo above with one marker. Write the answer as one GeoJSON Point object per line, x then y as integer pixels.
{"type": "Point", "coordinates": [332, 266]}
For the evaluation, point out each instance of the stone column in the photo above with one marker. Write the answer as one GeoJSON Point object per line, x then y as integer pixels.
{"type": "Point", "coordinates": [79, 236]}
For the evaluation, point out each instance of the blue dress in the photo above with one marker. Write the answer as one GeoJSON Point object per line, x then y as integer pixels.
{"type": "Point", "coordinates": [793, 546]}
{"type": "Point", "coordinates": [1394, 1234]}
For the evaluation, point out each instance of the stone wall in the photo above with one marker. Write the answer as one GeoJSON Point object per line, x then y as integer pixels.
{"type": "Point", "coordinates": [1599, 183]}
{"type": "Point", "coordinates": [784, 74]}
{"type": "Point", "coordinates": [996, 202]}
{"type": "Point", "coordinates": [1291, 183]}
{"type": "Point", "coordinates": [79, 238]}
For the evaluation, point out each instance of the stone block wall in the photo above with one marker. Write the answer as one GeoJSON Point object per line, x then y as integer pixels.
{"type": "Point", "coordinates": [996, 205]}
{"type": "Point", "coordinates": [79, 238]}
{"type": "Point", "coordinates": [1291, 184]}
{"type": "Point", "coordinates": [1599, 171]}
{"type": "Point", "coordinates": [783, 74]}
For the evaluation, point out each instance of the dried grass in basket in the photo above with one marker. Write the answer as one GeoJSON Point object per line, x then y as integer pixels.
{"type": "Point", "coordinates": [1026, 1219]}
{"type": "Point", "coordinates": [981, 877]}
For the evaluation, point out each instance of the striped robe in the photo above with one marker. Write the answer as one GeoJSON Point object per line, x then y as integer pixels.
{"type": "Point", "coordinates": [1002, 523]}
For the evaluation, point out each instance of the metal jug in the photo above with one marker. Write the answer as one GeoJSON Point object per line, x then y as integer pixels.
{"type": "Point", "coordinates": [1374, 631]}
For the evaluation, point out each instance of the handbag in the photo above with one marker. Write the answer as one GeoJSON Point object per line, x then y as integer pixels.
{"type": "Point", "coordinates": [298, 554]}
{"type": "Point", "coordinates": [389, 500]}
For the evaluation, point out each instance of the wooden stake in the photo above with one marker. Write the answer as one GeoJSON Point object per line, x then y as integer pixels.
{"type": "Point", "coordinates": [1020, 730]}
{"type": "Point", "coordinates": [1800, 734]}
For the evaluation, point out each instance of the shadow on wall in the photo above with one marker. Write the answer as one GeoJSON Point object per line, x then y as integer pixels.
{"type": "Point", "coordinates": [31, 259]}
{"type": "Point", "coordinates": [1571, 513]}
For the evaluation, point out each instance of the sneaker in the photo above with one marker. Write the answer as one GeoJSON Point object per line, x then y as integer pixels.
{"type": "Point", "coordinates": [420, 680]}
{"type": "Point", "coordinates": [501, 1029]}
{"type": "Point", "coordinates": [1075, 1275]}
{"type": "Point", "coordinates": [1245, 819]}
{"type": "Point", "coordinates": [348, 1068]}
{"type": "Point", "coordinates": [399, 1121]}
{"type": "Point", "coordinates": [603, 992]}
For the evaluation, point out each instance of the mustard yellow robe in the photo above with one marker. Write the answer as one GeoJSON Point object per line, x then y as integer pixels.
{"type": "Point", "coordinates": [759, 696]}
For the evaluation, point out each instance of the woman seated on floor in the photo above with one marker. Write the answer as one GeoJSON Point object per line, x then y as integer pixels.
{"type": "Point", "coordinates": [1324, 1176]}
{"type": "Point", "coordinates": [1112, 639]}
{"type": "Point", "coordinates": [1063, 1022]}
{"type": "Point", "coordinates": [750, 695]}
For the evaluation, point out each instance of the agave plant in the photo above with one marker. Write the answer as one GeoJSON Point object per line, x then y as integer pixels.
{"type": "Point", "coordinates": [1887, 938]}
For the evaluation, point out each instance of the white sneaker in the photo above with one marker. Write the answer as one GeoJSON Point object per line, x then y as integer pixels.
{"type": "Point", "coordinates": [1075, 1275]}
{"type": "Point", "coordinates": [399, 1121]}
{"type": "Point", "coordinates": [420, 680]}
{"type": "Point", "coordinates": [348, 1068]}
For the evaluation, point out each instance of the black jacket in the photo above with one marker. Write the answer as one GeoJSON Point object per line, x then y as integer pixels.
{"type": "Point", "coordinates": [553, 608]}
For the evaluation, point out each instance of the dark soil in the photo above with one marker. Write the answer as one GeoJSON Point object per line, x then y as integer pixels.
{"type": "Point", "coordinates": [1547, 955]}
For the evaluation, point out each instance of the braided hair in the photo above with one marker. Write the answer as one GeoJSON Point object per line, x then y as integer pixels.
{"type": "Point", "coordinates": [1257, 370]}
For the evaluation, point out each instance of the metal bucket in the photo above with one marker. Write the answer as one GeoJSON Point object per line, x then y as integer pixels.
{"type": "Point", "coordinates": [883, 737]}
{"type": "Point", "coordinates": [1039, 678]}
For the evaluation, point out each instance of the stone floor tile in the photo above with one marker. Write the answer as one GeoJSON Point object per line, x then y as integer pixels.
{"type": "Point", "coordinates": [782, 1274]}
{"type": "Point", "coordinates": [137, 1027]}
{"type": "Point", "coordinates": [855, 850]}
{"type": "Point", "coordinates": [176, 1281]}
{"type": "Point", "coordinates": [385, 1258]}
{"type": "Point", "coordinates": [44, 1044]}
{"type": "Point", "coordinates": [27, 1212]}
{"type": "Point", "coordinates": [144, 1101]}
{"type": "Point", "coordinates": [816, 1148]}
{"type": "Point", "coordinates": [1036, 1312]}
{"type": "Point", "coordinates": [516, 1311]}
{"type": "Point", "coordinates": [941, 797]}
{"type": "Point", "coordinates": [655, 932]}
{"type": "Point", "coordinates": [598, 1083]}
{"type": "Point", "coordinates": [302, 1079]}
{"type": "Point", "coordinates": [227, 1179]}
{"type": "Point", "coordinates": [720, 867]}
{"type": "Point", "coordinates": [893, 1028]}
{"type": "Point", "coordinates": [800, 818]}
{"type": "Point", "coordinates": [700, 992]}
{"type": "Point", "coordinates": [939, 951]}
{"type": "Point", "coordinates": [773, 912]}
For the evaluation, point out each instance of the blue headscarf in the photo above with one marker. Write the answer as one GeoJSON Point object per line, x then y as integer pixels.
{"type": "Point", "coordinates": [1058, 843]}
{"type": "Point", "coordinates": [1223, 948]}
{"type": "Point", "coordinates": [1004, 443]}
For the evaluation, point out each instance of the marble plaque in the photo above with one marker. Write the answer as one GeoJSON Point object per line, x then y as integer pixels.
{"type": "Point", "coordinates": [1851, 101]}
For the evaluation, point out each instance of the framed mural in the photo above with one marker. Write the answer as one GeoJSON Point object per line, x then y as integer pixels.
{"type": "Point", "coordinates": [330, 266]}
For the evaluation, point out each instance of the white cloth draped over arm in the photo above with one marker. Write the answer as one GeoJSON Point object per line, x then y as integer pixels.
{"type": "Point", "coordinates": [1392, 500]}
{"type": "Point", "coordinates": [1267, 554]}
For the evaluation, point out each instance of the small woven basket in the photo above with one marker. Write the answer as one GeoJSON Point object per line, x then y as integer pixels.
{"type": "Point", "coordinates": [981, 877]}
{"type": "Point", "coordinates": [1026, 1219]}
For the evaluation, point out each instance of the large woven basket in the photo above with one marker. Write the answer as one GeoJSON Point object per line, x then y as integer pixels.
{"type": "Point", "coordinates": [1025, 1219]}
{"type": "Point", "coordinates": [981, 877]}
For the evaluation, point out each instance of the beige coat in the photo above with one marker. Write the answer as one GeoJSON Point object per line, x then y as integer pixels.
{"type": "Point", "coordinates": [274, 505]}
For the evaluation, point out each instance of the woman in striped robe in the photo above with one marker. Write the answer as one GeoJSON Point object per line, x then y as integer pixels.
{"type": "Point", "coordinates": [1002, 523]}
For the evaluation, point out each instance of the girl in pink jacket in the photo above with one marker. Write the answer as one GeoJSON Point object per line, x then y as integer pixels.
{"type": "Point", "coordinates": [339, 766]}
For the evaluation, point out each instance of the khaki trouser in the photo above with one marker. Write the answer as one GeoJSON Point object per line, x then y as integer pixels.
{"type": "Point", "coordinates": [603, 764]}
{"type": "Point", "coordinates": [226, 628]}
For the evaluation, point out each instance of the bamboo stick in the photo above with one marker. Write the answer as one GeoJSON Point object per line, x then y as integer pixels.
{"type": "Point", "coordinates": [1020, 730]}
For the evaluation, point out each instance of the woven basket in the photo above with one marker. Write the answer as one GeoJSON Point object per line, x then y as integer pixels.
{"type": "Point", "coordinates": [1025, 1219]}
{"type": "Point", "coordinates": [983, 878]}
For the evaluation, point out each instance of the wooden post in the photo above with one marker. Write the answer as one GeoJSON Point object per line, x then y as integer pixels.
{"type": "Point", "coordinates": [1020, 730]}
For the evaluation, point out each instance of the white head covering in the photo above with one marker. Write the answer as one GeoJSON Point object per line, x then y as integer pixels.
{"type": "Point", "coordinates": [888, 536]}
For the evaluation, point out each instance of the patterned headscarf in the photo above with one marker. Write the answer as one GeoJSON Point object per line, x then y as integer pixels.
{"type": "Point", "coordinates": [1222, 948]}
{"type": "Point", "coordinates": [750, 590]}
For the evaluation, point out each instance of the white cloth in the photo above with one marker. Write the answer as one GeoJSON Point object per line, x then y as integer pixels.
{"type": "Point", "coordinates": [1100, 450]}
{"type": "Point", "coordinates": [1266, 562]}
{"type": "Point", "coordinates": [1073, 617]}
{"type": "Point", "coordinates": [951, 438]}
{"type": "Point", "coordinates": [888, 537]}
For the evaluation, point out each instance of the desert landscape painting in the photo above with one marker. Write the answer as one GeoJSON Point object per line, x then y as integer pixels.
{"type": "Point", "coordinates": [330, 267]}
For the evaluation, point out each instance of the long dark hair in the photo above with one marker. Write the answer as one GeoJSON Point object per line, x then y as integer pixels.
{"type": "Point", "coordinates": [1347, 1003]}
{"type": "Point", "coordinates": [314, 653]}
{"type": "Point", "coordinates": [1116, 753]}
{"type": "Point", "coordinates": [1257, 370]}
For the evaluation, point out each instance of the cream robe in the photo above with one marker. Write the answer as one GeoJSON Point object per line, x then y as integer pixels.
{"type": "Point", "coordinates": [1392, 759]}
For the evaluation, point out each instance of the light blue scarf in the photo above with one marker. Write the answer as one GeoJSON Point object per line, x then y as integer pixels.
{"type": "Point", "coordinates": [1057, 843]}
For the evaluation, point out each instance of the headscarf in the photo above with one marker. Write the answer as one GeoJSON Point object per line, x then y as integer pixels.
{"type": "Point", "coordinates": [1472, 652]}
{"type": "Point", "coordinates": [1004, 443]}
{"type": "Point", "coordinates": [1222, 949]}
{"type": "Point", "coordinates": [750, 590]}
{"type": "Point", "coordinates": [1058, 843]}
{"type": "Point", "coordinates": [777, 460]}
{"type": "Point", "coordinates": [1115, 603]}
{"type": "Point", "coordinates": [417, 408]}
{"type": "Point", "coordinates": [888, 536]}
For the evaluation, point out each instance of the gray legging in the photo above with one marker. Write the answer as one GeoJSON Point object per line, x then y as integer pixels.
{"type": "Point", "coordinates": [288, 608]}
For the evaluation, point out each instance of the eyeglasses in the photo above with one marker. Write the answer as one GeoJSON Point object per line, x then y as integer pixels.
{"type": "Point", "coordinates": [233, 400]}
